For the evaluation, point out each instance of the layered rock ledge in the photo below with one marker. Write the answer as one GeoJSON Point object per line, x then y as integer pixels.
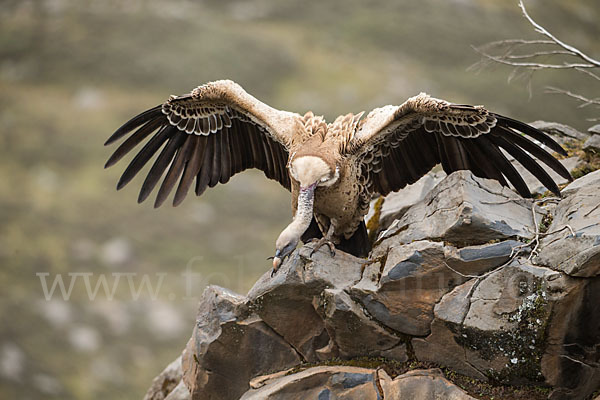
{"type": "Point", "coordinates": [470, 291]}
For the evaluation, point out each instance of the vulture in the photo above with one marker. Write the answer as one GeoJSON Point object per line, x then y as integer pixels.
{"type": "Point", "coordinates": [333, 170]}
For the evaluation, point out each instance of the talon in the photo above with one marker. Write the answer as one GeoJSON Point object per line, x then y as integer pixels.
{"type": "Point", "coordinates": [320, 243]}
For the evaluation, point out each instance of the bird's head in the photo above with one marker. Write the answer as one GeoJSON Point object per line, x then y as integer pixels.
{"type": "Point", "coordinates": [284, 246]}
{"type": "Point", "coordinates": [310, 170]}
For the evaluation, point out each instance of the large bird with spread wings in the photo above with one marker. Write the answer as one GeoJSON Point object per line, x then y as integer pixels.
{"type": "Point", "coordinates": [333, 170]}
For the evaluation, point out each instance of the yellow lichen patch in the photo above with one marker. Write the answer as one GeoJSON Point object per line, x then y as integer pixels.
{"type": "Point", "coordinates": [373, 223]}
{"type": "Point", "coordinates": [591, 164]}
{"type": "Point", "coordinates": [591, 160]}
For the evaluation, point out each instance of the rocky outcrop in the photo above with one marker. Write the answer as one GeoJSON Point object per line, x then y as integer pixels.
{"type": "Point", "coordinates": [469, 277]}
{"type": "Point", "coordinates": [464, 210]}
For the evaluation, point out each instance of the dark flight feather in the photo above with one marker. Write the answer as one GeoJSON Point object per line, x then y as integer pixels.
{"type": "Point", "coordinates": [133, 140]}
{"type": "Point", "coordinates": [192, 167]}
{"type": "Point", "coordinates": [175, 171]}
{"type": "Point", "coordinates": [144, 155]}
{"type": "Point", "coordinates": [206, 170]}
{"type": "Point", "coordinates": [526, 161]}
{"type": "Point", "coordinates": [531, 131]}
{"type": "Point", "coordinates": [134, 123]}
{"type": "Point", "coordinates": [160, 165]}
{"type": "Point", "coordinates": [505, 166]}
{"type": "Point", "coordinates": [536, 151]}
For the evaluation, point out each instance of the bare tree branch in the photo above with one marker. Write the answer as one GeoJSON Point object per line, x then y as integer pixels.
{"type": "Point", "coordinates": [543, 31]}
{"type": "Point", "coordinates": [530, 56]}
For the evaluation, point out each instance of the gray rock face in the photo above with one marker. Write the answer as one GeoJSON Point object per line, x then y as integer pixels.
{"type": "Point", "coordinates": [397, 203]}
{"type": "Point", "coordinates": [320, 383]}
{"type": "Point", "coordinates": [505, 325]}
{"type": "Point", "coordinates": [421, 384]}
{"type": "Point", "coordinates": [590, 180]}
{"type": "Point", "coordinates": [287, 301]}
{"type": "Point", "coordinates": [416, 276]}
{"type": "Point", "coordinates": [594, 130]}
{"type": "Point", "coordinates": [560, 132]}
{"type": "Point", "coordinates": [577, 255]}
{"type": "Point", "coordinates": [592, 144]}
{"type": "Point", "coordinates": [453, 282]}
{"type": "Point", "coordinates": [466, 210]}
{"type": "Point", "coordinates": [345, 321]}
{"type": "Point", "coordinates": [341, 382]}
{"type": "Point", "coordinates": [229, 346]}
{"type": "Point", "coordinates": [412, 281]}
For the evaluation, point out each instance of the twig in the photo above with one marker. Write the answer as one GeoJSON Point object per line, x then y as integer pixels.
{"type": "Point", "coordinates": [467, 275]}
{"type": "Point", "coordinates": [513, 255]}
{"type": "Point", "coordinates": [584, 100]}
{"type": "Point", "coordinates": [590, 73]}
{"type": "Point", "coordinates": [537, 233]}
{"type": "Point", "coordinates": [517, 41]}
{"type": "Point", "coordinates": [532, 65]}
{"type": "Point", "coordinates": [537, 54]}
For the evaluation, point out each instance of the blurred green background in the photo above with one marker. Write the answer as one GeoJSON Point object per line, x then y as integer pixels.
{"type": "Point", "coordinates": [71, 71]}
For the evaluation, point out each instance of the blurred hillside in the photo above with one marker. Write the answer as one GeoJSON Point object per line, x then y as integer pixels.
{"type": "Point", "coordinates": [71, 71]}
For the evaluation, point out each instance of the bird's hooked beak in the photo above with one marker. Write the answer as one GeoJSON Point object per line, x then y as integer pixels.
{"type": "Point", "coordinates": [281, 254]}
{"type": "Point", "coordinates": [277, 260]}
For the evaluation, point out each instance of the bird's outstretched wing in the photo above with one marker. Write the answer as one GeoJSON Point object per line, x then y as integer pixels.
{"type": "Point", "coordinates": [209, 135]}
{"type": "Point", "coordinates": [397, 145]}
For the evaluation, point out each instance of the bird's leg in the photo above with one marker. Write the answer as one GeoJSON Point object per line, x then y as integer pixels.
{"type": "Point", "coordinates": [327, 239]}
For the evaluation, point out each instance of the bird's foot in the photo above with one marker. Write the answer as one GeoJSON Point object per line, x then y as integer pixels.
{"type": "Point", "coordinates": [320, 243]}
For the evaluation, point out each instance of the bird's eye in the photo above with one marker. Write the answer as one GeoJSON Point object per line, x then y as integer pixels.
{"type": "Point", "coordinates": [324, 179]}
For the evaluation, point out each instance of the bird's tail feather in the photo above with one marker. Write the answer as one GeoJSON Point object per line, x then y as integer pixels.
{"type": "Point", "coordinates": [358, 244]}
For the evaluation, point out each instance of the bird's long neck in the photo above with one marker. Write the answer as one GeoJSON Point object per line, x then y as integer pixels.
{"type": "Point", "coordinates": [304, 212]}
